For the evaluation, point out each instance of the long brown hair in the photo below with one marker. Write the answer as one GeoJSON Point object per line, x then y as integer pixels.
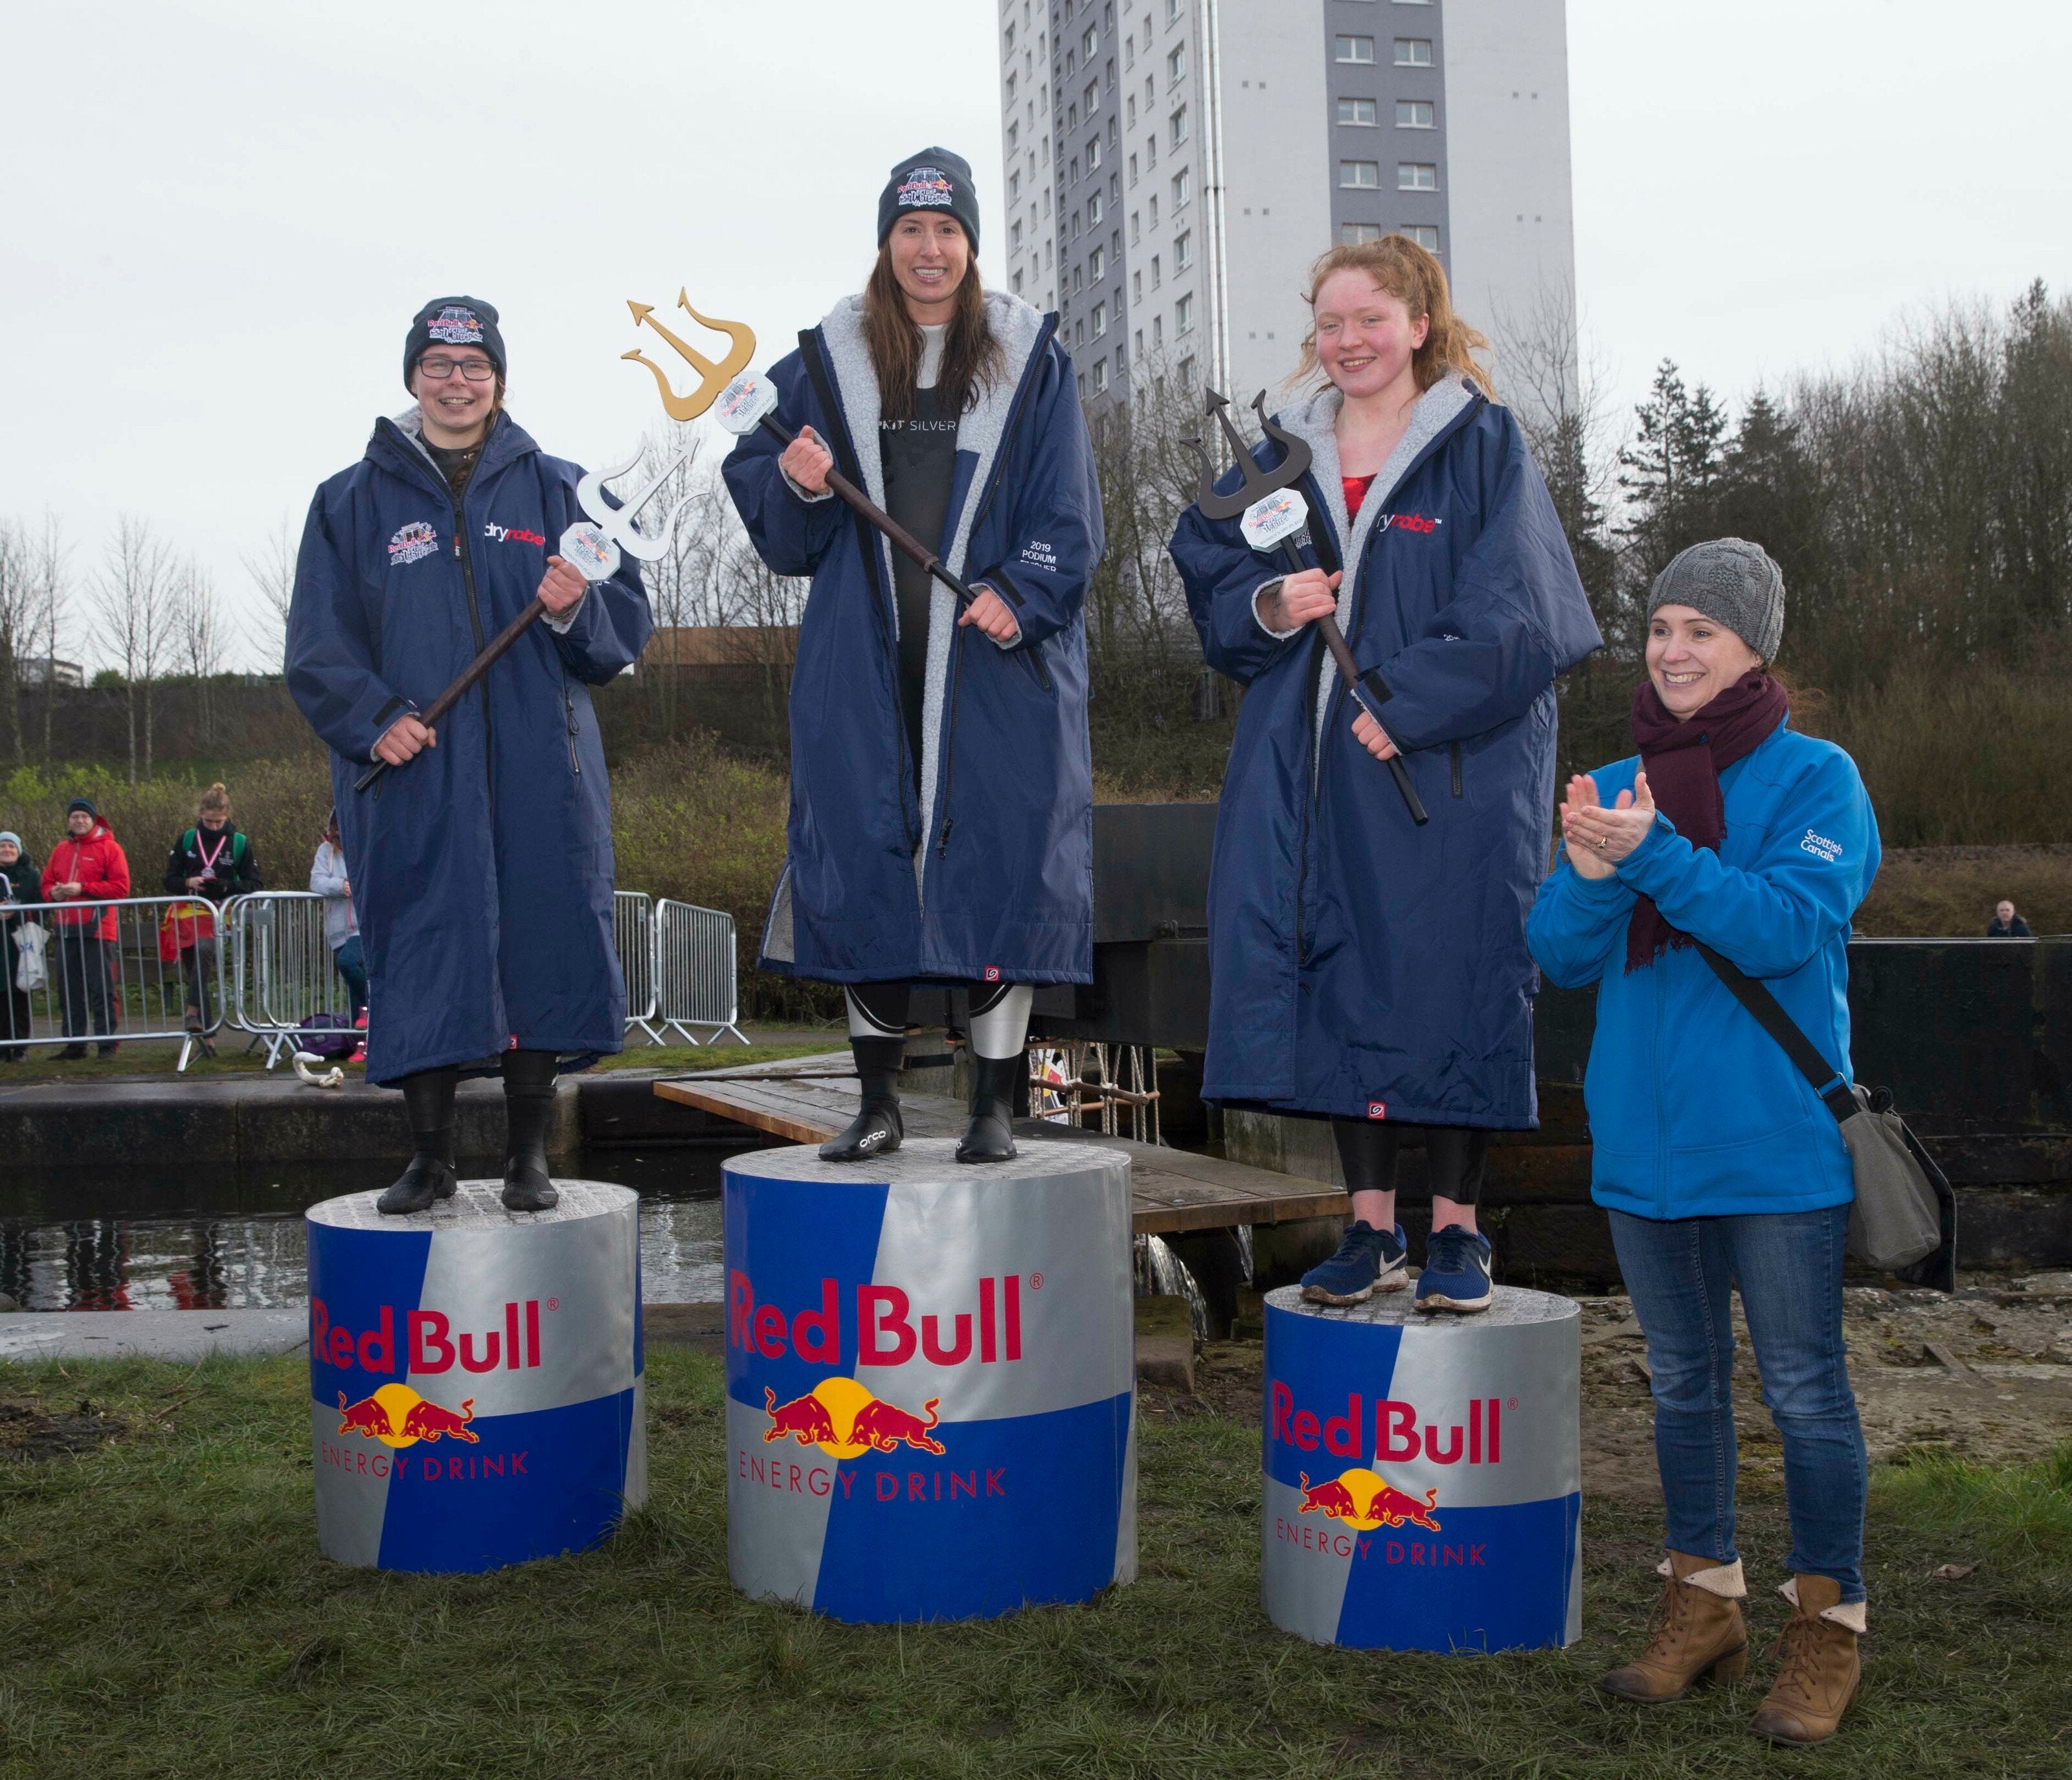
{"type": "Point", "coordinates": [1413, 276]}
{"type": "Point", "coordinates": [973, 359]}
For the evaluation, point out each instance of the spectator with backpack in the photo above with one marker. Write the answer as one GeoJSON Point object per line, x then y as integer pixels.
{"type": "Point", "coordinates": [213, 861]}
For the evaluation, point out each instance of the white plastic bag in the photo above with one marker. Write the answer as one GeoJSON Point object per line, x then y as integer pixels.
{"type": "Point", "coordinates": [30, 974]}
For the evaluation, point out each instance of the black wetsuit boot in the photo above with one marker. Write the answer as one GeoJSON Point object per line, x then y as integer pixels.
{"type": "Point", "coordinates": [529, 1104]}
{"type": "Point", "coordinates": [990, 1137]}
{"type": "Point", "coordinates": [428, 1099]}
{"type": "Point", "coordinates": [877, 1129]}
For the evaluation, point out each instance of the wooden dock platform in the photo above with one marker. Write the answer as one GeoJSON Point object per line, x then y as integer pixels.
{"type": "Point", "coordinates": [808, 1100]}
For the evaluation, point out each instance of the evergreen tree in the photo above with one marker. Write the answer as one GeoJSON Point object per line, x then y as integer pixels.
{"type": "Point", "coordinates": [1670, 474]}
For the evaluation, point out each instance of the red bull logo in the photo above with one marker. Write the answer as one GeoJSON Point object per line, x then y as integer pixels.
{"type": "Point", "coordinates": [395, 1418]}
{"type": "Point", "coordinates": [1398, 1435]}
{"type": "Point", "coordinates": [887, 1331]}
{"type": "Point", "coordinates": [844, 1420]}
{"type": "Point", "coordinates": [1364, 1501]}
{"type": "Point", "coordinates": [398, 1416]}
{"type": "Point", "coordinates": [429, 1344]}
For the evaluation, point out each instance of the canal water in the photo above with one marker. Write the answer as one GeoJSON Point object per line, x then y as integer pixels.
{"type": "Point", "coordinates": [182, 1238]}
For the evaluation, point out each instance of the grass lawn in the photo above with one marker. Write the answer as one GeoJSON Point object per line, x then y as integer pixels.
{"type": "Point", "coordinates": [164, 1612]}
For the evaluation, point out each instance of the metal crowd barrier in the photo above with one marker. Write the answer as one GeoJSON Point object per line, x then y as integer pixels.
{"type": "Point", "coordinates": [695, 971]}
{"type": "Point", "coordinates": [282, 981]}
{"type": "Point", "coordinates": [633, 932]}
{"type": "Point", "coordinates": [94, 988]}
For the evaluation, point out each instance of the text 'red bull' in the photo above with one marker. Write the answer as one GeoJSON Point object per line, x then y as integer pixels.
{"type": "Point", "coordinates": [428, 1341]}
{"type": "Point", "coordinates": [886, 1331]}
{"type": "Point", "coordinates": [1397, 1436]}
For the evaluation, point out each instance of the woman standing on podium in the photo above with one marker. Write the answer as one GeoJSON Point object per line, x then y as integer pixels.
{"type": "Point", "coordinates": [942, 786]}
{"type": "Point", "coordinates": [1364, 969]}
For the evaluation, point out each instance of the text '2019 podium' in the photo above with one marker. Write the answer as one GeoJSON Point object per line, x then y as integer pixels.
{"type": "Point", "coordinates": [930, 1380]}
{"type": "Point", "coordinates": [476, 1397]}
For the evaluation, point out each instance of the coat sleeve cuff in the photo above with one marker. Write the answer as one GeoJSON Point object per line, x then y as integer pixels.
{"type": "Point", "coordinates": [562, 626]}
{"type": "Point", "coordinates": [1267, 587]}
{"type": "Point", "coordinates": [810, 500]}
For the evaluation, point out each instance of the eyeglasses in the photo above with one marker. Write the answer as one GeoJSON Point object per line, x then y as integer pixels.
{"type": "Point", "coordinates": [475, 370]}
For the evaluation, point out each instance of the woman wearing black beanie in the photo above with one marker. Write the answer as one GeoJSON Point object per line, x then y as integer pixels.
{"type": "Point", "coordinates": [942, 795]}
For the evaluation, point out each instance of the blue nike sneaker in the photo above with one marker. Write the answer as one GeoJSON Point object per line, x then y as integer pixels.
{"type": "Point", "coordinates": [1368, 1260]}
{"type": "Point", "coordinates": [1457, 1270]}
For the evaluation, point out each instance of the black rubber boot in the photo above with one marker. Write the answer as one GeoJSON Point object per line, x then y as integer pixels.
{"type": "Point", "coordinates": [428, 1099]}
{"type": "Point", "coordinates": [877, 1129]}
{"type": "Point", "coordinates": [529, 1104]}
{"type": "Point", "coordinates": [990, 1137]}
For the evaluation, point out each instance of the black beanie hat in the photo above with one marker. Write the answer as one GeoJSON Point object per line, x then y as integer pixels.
{"type": "Point", "coordinates": [453, 321]}
{"type": "Point", "coordinates": [933, 179]}
{"type": "Point", "coordinates": [82, 804]}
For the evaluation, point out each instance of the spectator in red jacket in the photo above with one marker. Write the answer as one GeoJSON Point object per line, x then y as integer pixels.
{"type": "Point", "coordinates": [89, 867]}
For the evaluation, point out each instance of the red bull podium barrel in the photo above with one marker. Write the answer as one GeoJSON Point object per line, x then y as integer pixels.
{"type": "Point", "coordinates": [476, 1396]}
{"type": "Point", "coordinates": [1423, 1473]}
{"type": "Point", "coordinates": [930, 1380]}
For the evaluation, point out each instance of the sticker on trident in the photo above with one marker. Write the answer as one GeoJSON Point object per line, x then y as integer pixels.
{"type": "Point", "coordinates": [1276, 511]}
{"type": "Point", "coordinates": [593, 545]}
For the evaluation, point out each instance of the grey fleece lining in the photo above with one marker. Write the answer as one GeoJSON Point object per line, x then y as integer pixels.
{"type": "Point", "coordinates": [1315, 422]}
{"type": "Point", "coordinates": [981, 430]}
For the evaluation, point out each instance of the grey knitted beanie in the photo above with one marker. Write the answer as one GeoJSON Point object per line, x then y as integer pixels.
{"type": "Point", "coordinates": [1732, 581]}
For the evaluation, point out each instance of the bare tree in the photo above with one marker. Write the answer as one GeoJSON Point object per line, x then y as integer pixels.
{"type": "Point", "coordinates": [17, 619]}
{"type": "Point", "coordinates": [198, 639]}
{"type": "Point", "coordinates": [133, 597]}
{"type": "Point", "coordinates": [51, 599]}
{"type": "Point", "coordinates": [272, 569]}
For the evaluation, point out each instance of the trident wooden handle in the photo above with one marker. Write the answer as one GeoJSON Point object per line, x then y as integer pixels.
{"type": "Point", "coordinates": [499, 647]}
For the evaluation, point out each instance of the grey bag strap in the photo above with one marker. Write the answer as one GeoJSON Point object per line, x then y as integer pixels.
{"type": "Point", "coordinates": [1825, 1080]}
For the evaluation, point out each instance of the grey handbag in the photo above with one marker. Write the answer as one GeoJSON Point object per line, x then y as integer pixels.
{"type": "Point", "coordinates": [1905, 1211]}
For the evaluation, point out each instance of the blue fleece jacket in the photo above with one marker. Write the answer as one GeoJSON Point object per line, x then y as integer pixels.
{"type": "Point", "coordinates": [1695, 1110]}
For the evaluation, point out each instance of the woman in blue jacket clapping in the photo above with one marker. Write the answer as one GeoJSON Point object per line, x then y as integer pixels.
{"type": "Point", "coordinates": [1717, 1163]}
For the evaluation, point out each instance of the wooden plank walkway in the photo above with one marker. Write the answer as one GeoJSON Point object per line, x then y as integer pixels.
{"type": "Point", "coordinates": [805, 1101]}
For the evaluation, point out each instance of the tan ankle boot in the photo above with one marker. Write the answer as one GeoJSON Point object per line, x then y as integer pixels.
{"type": "Point", "coordinates": [1817, 1677]}
{"type": "Point", "coordinates": [1696, 1631]}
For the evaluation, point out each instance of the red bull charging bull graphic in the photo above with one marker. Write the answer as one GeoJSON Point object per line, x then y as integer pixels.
{"type": "Point", "coordinates": [1423, 1474]}
{"type": "Point", "coordinates": [476, 1378]}
{"type": "Point", "coordinates": [930, 1381]}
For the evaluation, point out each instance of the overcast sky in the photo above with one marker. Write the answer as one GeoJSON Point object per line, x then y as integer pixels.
{"type": "Point", "coordinates": [220, 215]}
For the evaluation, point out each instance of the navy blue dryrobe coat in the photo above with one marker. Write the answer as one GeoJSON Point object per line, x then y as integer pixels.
{"type": "Point", "coordinates": [1361, 966]}
{"type": "Point", "coordinates": [482, 871]}
{"type": "Point", "coordinates": [988, 874]}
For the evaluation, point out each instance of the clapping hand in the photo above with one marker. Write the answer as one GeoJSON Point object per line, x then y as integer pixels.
{"type": "Point", "coordinates": [1598, 837]}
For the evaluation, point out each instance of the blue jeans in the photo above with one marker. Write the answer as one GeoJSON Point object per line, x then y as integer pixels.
{"type": "Point", "coordinates": [1789, 1267]}
{"type": "Point", "coordinates": [351, 962]}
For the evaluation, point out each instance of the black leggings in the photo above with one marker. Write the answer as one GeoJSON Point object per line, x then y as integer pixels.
{"type": "Point", "coordinates": [884, 1004]}
{"type": "Point", "coordinates": [1454, 1155]}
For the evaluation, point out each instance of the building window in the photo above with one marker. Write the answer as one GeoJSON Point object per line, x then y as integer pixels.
{"type": "Point", "coordinates": [1158, 332]}
{"type": "Point", "coordinates": [1129, 111]}
{"type": "Point", "coordinates": [1417, 176]}
{"type": "Point", "coordinates": [1129, 50]}
{"type": "Point", "coordinates": [1424, 235]}
{"type": "Point", "coordinates": [1187, 372]}
{"type": "Point", "coordinates": [1182, 188]}
{"type": "Point", "coordinates": [1010, 89]}
{"type": "Point", "coordinates": [1172, 10]}
{"type": "Point", "coordinates": [1092, 96]}
{"type": "Point", "coordinates": [1183, 248]}
{"type": "Point", "coordinates": [1412, 52]}
{"type": "Point", "coordinates": [1013, 137]}
{"type": "Point", "coordinates": [1357, 112]}
{"type": "Point", "coordinates": [1154, 271]}
{"type": "Point", "coordinates": [1090, 43]}
{"type": "Point", "coordinates": [1079, 279]}
{"type": "Point", "coordinates": [1008, 39]}
{"type": "Point", "coordinates": [1100, 319]}
{"type": "Point", "coordinates": [1079, 332]}
{"type": "Point", "coordinates": [1183, 315]}
{"type": "Point", "coordinates": [1360, 175]}
{"type": "Point", "coordinates": [1018, 284]}
{"type": "Point", "coordinates": [1355, 49]}
{"type": "Point", "coordinates": [1093, 152]}
{"type": "Point", "coordinates": [1178, 127]}
{"type": "Point", "coordinates": [1082, 386]}
{"type": "Point", "coordinates": [1137, 292]}
{"type": "Point", "coordinates": [1134, 233]}
{"type": "Point", "coordinates": [1093, 210]}
{"type": "Point", "coordinates": [1154, 215]}
{"type": "Point", "coordinates": [1415, 114]}
{"type": "Point", "coordinates": [1097, 264]}
{"type": "Point", "coordinates": [1014, 238]}
{"type": "Point", "coordinates": [1353, 233]}
{"type": "Point", "coordinates": [1176, 64]}
{"type": "Point", "coordinates": [1132, 170]}
{"type": "Point", "coordinates": [1100, 370]}
{"type": "Point", "coordinates": [1014, 185]}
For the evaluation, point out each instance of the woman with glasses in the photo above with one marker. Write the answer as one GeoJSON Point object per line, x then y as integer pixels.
{"type": "Point", "coordinates": [481, 862]}
{"type": "Point", "coordinates": [941, 784]}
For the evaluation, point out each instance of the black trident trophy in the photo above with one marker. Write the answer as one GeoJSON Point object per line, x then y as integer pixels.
{"type": "Point", "coordinates": [1274, 512]}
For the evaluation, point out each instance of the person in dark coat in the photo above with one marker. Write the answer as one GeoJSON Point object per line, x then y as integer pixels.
{"type": "Point", "coordinates": [1365, 970]}
{"type": "Point", "coordinates": [942, 785]}
{"type": "Point", "coordinates": [481, 864]}
{"type": "Point", "coordinates": [2008, 925]}
{"type": "Point", "coordinates": [213, 861]}
{"type": "Point", "coordinates": [19, 886]}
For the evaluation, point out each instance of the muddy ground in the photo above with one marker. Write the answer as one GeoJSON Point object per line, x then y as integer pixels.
{"type": "Point", "coordinates": [1984, 1374]}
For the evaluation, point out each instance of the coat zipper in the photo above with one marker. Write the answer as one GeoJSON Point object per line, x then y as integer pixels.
{"type": "Point", "coordinates": [1454, 748]}
{"type": "Point", "coordinates": [844, 449]}
{"type": "Point", "coordinates": [568, 707]}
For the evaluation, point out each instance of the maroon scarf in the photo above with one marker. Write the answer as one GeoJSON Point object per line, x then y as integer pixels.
{"type": "Point", "coordinates": [1683, 761]}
